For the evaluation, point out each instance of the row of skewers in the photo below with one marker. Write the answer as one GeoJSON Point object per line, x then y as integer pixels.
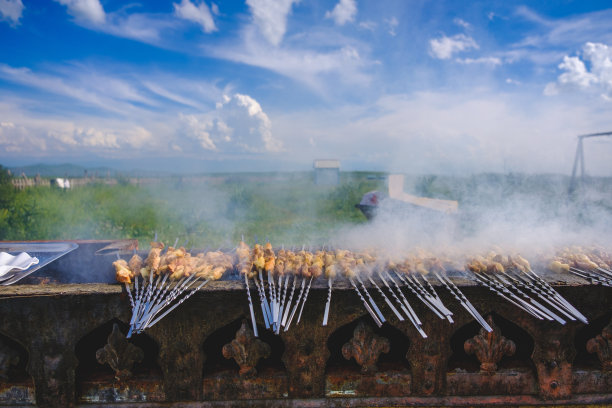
{"type": "Point", "coordinates": [165, 279]}
{"type": "Point", "coordinates": [168, 276]}
{"type": "Point", "coordinates": [591, 264]}
{"type": "Point", "coordinates": [512, 278]}
{"type": "Point", "coordinates": [286, 269]}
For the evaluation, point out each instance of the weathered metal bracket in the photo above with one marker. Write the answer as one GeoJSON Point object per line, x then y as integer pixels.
{"type": "Point", "coordinates": [602, 345]}
{"type": "Point", "coordinates": [119, 354]}
{"type": "Point", "coordinates": [489, 348]}
{"type": "Point", "coordinates": [246, 350]}
{"type": "Point", "coordinates": [365, 347]}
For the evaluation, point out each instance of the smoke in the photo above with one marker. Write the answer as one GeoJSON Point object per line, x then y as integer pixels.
{"type": "Point", "coordinates": [528, 214]}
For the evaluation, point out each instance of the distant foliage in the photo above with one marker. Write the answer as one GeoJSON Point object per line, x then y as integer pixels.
{"type": "Point", "coordinates": [18, 215]}
{"type": "Point", "coordinates": [285, 208]}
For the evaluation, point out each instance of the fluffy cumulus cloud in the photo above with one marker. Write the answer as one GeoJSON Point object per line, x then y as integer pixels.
{"type": "Point", "coordinates": [85, 11]}
{"type": "Point", "coordinates": [344, 12]}
{"type": "Point", "coordinates": [238, 124]}
{"type": "Point", "coordinates": [199, 14]}
{"type": "Point", "coordinates": [590, 72]}
{"type": "Point", "coordinates": [11, 11]}
{"type": "Point", "coordinates": [444, 47]}
{"type": "Point", "coordinates": [270, 16]}
{"type": "Point", "coordinates": [42, 137]}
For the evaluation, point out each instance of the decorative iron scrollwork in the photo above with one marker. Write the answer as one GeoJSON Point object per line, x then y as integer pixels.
{"type": "Point", "coordinates": [119, 354]}
{"type": "Point", "coordinates": [365, 347]}
{"type": "Point", "coordinates": [602, 345]}
{"type": "Point", "coordinates": [489, 348]}
{"type": "Point", "coordinates": [246, 350]}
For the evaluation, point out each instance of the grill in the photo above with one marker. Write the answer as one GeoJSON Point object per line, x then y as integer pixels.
{"type": "Point", "coordinates": [63, 343]}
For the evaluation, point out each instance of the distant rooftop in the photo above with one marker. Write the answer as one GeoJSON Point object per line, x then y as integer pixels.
{"type": "Point", "coordinates": [327, 164]}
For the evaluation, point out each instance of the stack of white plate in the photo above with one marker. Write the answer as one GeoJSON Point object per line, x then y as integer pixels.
{"type": "Point", "coordinates": [20, 262]}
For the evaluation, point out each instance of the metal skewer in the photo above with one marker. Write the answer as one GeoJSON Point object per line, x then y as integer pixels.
{"type": "Point", "coordinates": [505, 288]}
{"type": "Point", "coordinates": [457, 294]}
{"type": "Point", "coordinates": [365, 303]}
{"type": "Point", "coordinates": [539, 293]}
{"type": "Point", "coordinates": [552, 315]}
{"type": "Point", "coordinates": [552, 292]}
{"type": "Point", "coordinates": [297, 303]}
{"type": "Point", "coordinates": [378, 312]}
{"type": "Point", "coordinates": [328, 301]}
{"type": "Point", "coordinates": [419, 292]}
{"type": "Point", "coordinates": [288, 305]}
{"type": "Point", "coordinates": [493, 288]}
{"type": "Point", "coordinates": [439, 303]}
{"type": "Point", "coordinates": [272, 304]}
{"type": "Point", "coordinates": [281, 312]}
{"type": "Point", "coordinates": [246, 282]}
{"type": "Point", "coordinates": [187, 296]}
{"type": "Point", "coordinates": [304, 301]}
{"type": "Point", "coordinates": [278, 300]}
{"type": "Point", "coordinates": [409, 313]}
{"type": "Point", "coordinates": [264, 304]}
{"type": "Point", "coordinates": [183, 285]}
{"type": "Point", "coordinates": [404, 300]}
{"type": "Point", "coordinates": [387, 300]}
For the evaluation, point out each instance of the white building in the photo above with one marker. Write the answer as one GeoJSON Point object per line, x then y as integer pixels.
{"type": "Point", "coordinates": [327, 172]}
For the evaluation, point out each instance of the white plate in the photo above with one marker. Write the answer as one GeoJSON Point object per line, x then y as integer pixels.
{"type": "Point", "coordinates": [20, 262]}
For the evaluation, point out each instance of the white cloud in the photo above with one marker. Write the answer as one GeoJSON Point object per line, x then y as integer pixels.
{"type": "Point", "coordinates": [238, 124]}
{"type": "Point", "coordinates": [600, 57]}
{"type": "Point", "coordinates": [575, 73]}
{"type": "Point", "coordinates": [492, 61]}
{"type": "Point", "coordinates": [368, 25]}
{"type": "Point", "coordinates": [474, 131]}
{"type": "Point", "coordinates": [565, 33]}
{"type": "Point", "coordinates": [137, 97]}
{"type": "Point", "coordinates": [444, 47]}
{"type": "Point", "coordinates": [198, 130]}
{"type": "Point", "coordinates": [172, 96]}
{"type": "Point", "coordinates": [89, 11]}
{"type": "Point", "coordinates": [462, 23]}
{"type": "Point", "coordinates": [11, 11]}
{"type": "Point", "coordinates": [258, 123]}
{"type": "Point", "coordinates": [198, 14]}
{"type": "Point", "coordinates": [270, 16]}
{"type": "Point", "coordinates": [578, 76]}
{"type": "Point", "coordinates": [90, 88]}
{"type": "Point", "coordinates": [144, 27]}
{"type": "Point", "coordinates": [392, 24]}
{"type": "Point", "coordinates": [344, 12]}
{"type": "Point", "coordinates": [343, 65]}
{"type": "Point", "coordinates": [33, 136]}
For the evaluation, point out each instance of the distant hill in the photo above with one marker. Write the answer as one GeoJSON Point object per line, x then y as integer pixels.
{"type": "Point", "coordinates": [62, 170]}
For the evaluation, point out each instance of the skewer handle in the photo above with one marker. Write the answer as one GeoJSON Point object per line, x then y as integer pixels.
{"type": "Point", "coordinates": [327, 302]}
{"type": "Point", "coordinates": [177, 303]}
{"type": "Point", "coordinates": [367, 306]}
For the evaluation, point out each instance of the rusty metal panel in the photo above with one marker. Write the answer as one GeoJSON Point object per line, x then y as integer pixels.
{"type": "Point", "coordinates": [126, 391]}
{"type": "Point", "coordinates": [503, 382]}
{"type": "Point", "coordinates": [348, 383]}
{"type": "Point", "coordinates": [268, 385]}
{"type": "Point", "coordinates": [17, 394]}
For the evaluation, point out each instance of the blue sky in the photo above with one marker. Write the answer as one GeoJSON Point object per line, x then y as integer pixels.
{"type": "Point", "coordinates": [412, 86]}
